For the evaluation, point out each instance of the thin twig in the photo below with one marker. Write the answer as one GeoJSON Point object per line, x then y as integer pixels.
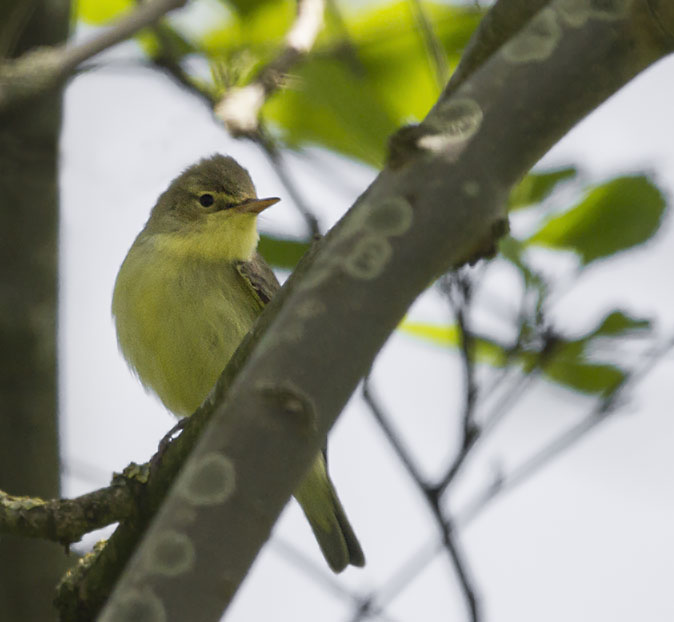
{"type": "Point", "coordinates": [391, 435]}
{"type": "Point", "coordinates": [239, 108]}
{"type": "Point", "coordinates": [432, 497]}
{"type": "Point", "coordinates": [460, 566]}
{"type": "Point", "coordinates": [144, 15]}
{"type": "Point", "coordinates": [518, 476]}
{"type": "Point", "coordinates": [433, 45]}
{"type": "Point", "coordinates": [541, 458]}
{"type": "Point", "coordinates": [460, 303]}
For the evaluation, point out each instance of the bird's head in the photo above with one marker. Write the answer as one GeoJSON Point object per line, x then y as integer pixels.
{"type": "Point", "coordinates": [209, 210]}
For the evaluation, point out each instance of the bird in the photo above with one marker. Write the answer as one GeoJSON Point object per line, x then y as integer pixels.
{"type": "Point", "coordinates": [188, 291]}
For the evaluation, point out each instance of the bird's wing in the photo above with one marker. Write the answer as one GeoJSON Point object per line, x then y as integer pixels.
{"type": "Point", "coordinates": [259, 277]}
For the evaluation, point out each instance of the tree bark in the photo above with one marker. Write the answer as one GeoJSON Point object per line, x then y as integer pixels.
{"type": "Point", "coordinates": [29, 456]}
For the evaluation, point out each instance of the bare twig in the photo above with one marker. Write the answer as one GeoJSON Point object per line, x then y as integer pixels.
{"type": "Point", "coordinates": [391, 435]}
{"type": "Point", "coordinates": [505, 483]}
{"type": "Point", "coordinates": [458, 289]}
{"type": "Point", "coordinates": [46, 68]}
{"type": "Point", "coordinates": [433, 45]}
{"type": "Point", "coordinates": [541, 458]}
{"type": "Point", "coordinates": [432, 496]}
{"type": "Point", "coordinates": [239, 108]}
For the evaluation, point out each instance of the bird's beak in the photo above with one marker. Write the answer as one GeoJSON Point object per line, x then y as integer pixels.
{"type": "Point", "coordinates": [255, 206]}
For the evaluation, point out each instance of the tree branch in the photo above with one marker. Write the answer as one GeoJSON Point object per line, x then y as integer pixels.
{"type": "Point", "coordinates": [432, 497]}
{"type": "Point", "coordinates": [43, 69]}
{"type": "Point", "coordinates": [372, 265]}
{"type": "Point", "coordinates": [65, 520]}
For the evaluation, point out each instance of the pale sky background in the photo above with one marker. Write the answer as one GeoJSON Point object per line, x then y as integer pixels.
{"type": "Point", "coordinates": [589, 538]}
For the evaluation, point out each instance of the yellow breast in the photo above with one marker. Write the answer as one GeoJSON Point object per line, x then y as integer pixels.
{"type": "Point", "coordinates": [179, 319]}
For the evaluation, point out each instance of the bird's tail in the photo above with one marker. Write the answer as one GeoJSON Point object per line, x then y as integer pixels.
{"type": "Point", "coordinates": [327, 518]}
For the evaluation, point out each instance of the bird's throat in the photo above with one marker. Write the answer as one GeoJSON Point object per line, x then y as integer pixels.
{"type": "Point", "coordinates": [232, 240]}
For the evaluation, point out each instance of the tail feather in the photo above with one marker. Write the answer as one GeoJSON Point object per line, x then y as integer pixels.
{"type": "Point", "coordinates": [327, 518]}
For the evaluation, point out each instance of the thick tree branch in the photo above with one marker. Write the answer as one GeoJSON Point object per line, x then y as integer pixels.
{"type": "Point", "coordinates": [499, 25]}
{"type": "Point", "coordinates": [440, 203]}
{"type": "Point", "coordinates": [43, 69]}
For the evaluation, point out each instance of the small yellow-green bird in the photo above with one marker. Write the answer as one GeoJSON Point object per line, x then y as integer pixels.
{"type": "Point", "coordinates": [189, 290]}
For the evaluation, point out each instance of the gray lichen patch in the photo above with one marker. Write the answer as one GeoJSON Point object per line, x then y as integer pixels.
{"type": "Point", "coordinates": [135, 606]}
{"type": "Point", "coordinates": [536, 41]}
{"type": "Point", "coordinates": [368, 257]}
{"type": "Point", "coordinates": [309, 308]}
{"type": "Point", "coordinates": [171, 554]}
{"type": "Point", "coordinates": [451, 125]}
{"type": "Point", "coordinates": [210, 481]}
{"type": "Point", "coordinates": [390, 217]}
{"type": "Point", "coordinates": [577, 12]}
{"type": "Point", "coordinates": [470, 188]}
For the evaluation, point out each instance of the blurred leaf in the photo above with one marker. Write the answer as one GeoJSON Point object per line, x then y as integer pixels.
{"type": "Point", "coordinates": [282, 253]}
{"type": "Point", "coordinates": [615, 216]}
{"type": "Point", "coordinates": [486, 351]}
{"type": "Point", "coordinates": [619, 323]}
{"type": "Point", "coordinates": [351, 95]}
{"type": "Point", "coordinates": [101, 11]}
{"type": "Point", "coordinates": [260, 33]}
{"type": "Point", "coordinates": [166, 39]}
{"type": "Point", "coordinates": [584, 376]}
{"type": "Point", "coordinates": [335, 109]}
{"type": "Point", "coordinates": [567, 364]}
{"type": "Point", "coordinates": [536, 187]}
{"type": "Point", "coordinates": [512, 249]}
{"type": "Point", "coordinates": [245, 7]}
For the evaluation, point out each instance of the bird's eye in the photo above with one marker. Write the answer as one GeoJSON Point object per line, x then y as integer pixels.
{"type": "Point", "coordinates": [206, 200]}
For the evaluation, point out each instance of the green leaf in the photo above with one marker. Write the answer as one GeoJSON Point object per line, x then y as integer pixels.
{"type": "Point", "coordinates": [536, 187]}
{"type": "Point", "coordinates": [102, 11]}
{"type": "Point", "coordinates": [246, 7]}
{"type": "Point", "coordinates": [260, 33]}
{"type": "Point", "coordinates": [444, 335]}
{"type": "Point", "coordinates": [619, 323]}
{"type": "Point", "coordinates": [350, 96]}
{"type": "Point", "coordinates": [567, 364]}
{"type": "Point", "coordinates": [282, 253]}
{"type": "Point", "coordinates": [584, 376]}
{"type": "Point", "coordinates": [615, 216]}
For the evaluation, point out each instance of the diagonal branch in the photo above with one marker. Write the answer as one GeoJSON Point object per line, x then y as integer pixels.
{"type": "Point", "coordinates": [43, 69]}
{"type": "Point", "coordinates": [432, 497]}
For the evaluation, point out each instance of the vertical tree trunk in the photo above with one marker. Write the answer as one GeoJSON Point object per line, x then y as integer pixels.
{"type": "Point", "coordinates": [29, 456]}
